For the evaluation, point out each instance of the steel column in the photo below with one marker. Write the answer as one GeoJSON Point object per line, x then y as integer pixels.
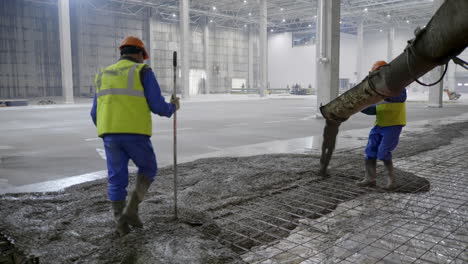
{"type": "Point", "coordinates": [65, 50]}
{"type": "Point", "coordinates": [250, 82]}
{"type": "Point", "coordinates": [263, 48]}
{"type": "Point", "coordinates": [390, 43]}
{"type": "Point", "coordinates": [208, 68]}
{"type": "Point", "coordinates": [185, 38]}
{"type": "Point", "coordinates": [451, 83]}
{"type": "Point", "coordinates": [149, 33]}
{"type": "Point", "coordinates": [360, 51]}
{"type": "Point", "coordinates": [327, 52]}
{"type": "Point", "coordinates": [436, 91]}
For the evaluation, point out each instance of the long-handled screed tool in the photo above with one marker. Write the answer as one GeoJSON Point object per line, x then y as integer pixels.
{"type": "Point", "coordinates": [174, 95]}
{"type": "Point", "coordinates": [192, 220]}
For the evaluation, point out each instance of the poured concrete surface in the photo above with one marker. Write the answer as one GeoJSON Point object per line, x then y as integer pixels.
{"type": "Point", "coordinates": [76, 225]}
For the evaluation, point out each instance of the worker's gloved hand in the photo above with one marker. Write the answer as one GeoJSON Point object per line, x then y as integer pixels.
{"type": "Point", "coordinates": [175, 101]}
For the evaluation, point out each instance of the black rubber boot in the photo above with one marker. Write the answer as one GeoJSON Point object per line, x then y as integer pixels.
{"type": "Point", "coordinates": [131, 211]}
{"type": "Point", "coordinates": [121, 224]}
{"type": "Point", "coordinates": [391, 180]}
{"type": "Point", "coordinates": [371, 172]}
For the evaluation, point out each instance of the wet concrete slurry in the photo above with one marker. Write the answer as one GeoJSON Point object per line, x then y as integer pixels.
{"type": "Point", "coordinates": [426, 227]}
{"type": "Point", "coordinates": [232, 197]}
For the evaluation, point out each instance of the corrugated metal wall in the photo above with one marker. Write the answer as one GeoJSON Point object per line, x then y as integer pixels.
{"type": "Point", "coordinates": [165, 40]}
{"type": "Point", "coordinates": [29, 50]}
{"type": "Point", "coordinates": [96, 37]}
{"type": "Point", "coordinates": [229, 49]}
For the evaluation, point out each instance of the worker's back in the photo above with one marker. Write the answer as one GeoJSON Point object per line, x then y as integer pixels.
{"type": "Point", "coordinates": [121, 104]}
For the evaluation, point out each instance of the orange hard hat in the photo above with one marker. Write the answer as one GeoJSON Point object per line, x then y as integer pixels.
{"type": "Point", "coordinates": [135, 42]}
{"type": "Point", "coordinates": [378, 64]}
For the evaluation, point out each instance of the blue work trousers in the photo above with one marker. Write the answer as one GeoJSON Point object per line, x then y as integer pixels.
{"type": "Point", "coordinates": [382, 141]}
{"type": "Point", "coordinates": [119, 150]}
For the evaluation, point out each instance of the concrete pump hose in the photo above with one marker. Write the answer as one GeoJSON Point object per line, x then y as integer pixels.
{"type": "Point", "coordinates": [445, 36]}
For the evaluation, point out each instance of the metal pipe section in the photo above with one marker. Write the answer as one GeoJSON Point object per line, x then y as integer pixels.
{"type": "Point", "coordinates": [445, 36]}
{"type": "Point", "coordinates": [174, 95]}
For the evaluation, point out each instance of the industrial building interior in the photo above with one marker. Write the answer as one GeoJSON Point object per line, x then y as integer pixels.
{"type": "Point", "coordinates": [252, 168]}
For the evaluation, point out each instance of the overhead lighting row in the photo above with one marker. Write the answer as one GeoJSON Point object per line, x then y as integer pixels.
{"type": "Point", "coordinates": [284, 19]}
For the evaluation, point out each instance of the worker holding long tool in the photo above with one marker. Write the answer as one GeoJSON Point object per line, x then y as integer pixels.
{"type": "Point", "coordinates": [126, 94]}
{"type": "Point", "coordinates": [384, 136]}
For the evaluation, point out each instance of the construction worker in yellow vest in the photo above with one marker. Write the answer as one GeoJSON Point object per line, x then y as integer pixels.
{"type": "Point", "coordinates": [384, 136]}
{"type": "Point", "coordinates": [126, 94]}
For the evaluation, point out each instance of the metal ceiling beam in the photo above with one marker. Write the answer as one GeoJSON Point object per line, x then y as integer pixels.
{"type": "Point", "coordinates": [298, 13]}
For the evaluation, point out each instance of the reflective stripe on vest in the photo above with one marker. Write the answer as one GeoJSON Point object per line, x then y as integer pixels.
{"type": "Point", "coordinates": [121, 91]}
{"type": "Point", "coordinates": [129, 90]}
{"type": "Point", "coordinates": [391, 114]}
{"type": "Point", "coordinates": [121, 103]}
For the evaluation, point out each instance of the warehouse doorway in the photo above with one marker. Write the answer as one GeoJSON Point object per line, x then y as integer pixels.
{"type": "Point", "coordinates": [197, 81]}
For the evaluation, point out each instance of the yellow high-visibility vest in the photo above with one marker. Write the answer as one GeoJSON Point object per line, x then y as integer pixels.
{"type": "Point", "coordinates": [391, 114]}
{"type": "Point", "coordinates": [121, 103]}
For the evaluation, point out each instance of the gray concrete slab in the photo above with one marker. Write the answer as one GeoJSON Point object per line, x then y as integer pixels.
{"type": "Point", "coordinates": [39, 144]}
{"type": "Point", "coordinates": [268, 209]}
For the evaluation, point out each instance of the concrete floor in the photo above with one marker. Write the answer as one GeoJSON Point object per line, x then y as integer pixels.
{"type": "Point", "coordinates": [269, 209]}
{"type": "Point", "coordinates": [47, 143]}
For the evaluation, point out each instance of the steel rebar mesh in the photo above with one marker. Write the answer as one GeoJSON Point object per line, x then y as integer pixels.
{"type": "Point", "coordinates": [333, 221]}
